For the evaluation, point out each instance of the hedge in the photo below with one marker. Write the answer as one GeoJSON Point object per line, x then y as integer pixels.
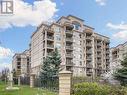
{"type": "Point", "coordinates": [97, 89]}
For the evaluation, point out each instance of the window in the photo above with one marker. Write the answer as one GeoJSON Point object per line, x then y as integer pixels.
{"type": "Point", "coordinates": [80, 63]}
{"type": "Point", "coordinates": [76, 25]}
{"type": "Point", "coordinates": [80, 35]}
{"type": "Point", "coordinates": [58, 46]}
{"type": "Point", "coordinates": [18, 63]}
{"type": "Point", "coordinates": [57, 29]}
{"type": "Point", "coordinates": [18, 67]}
{"type": "Point", "coordinates": [18, 59]}
{"type": "Point", "coordinates": [58, 37]}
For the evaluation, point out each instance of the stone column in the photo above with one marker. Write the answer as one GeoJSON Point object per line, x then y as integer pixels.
{"type": "Point", "coordinates": [65, 83]}
{"type": "Point", "coordinates": [11, 79]}
{"type": "Point", "coordinates": [19, 81]}
{"type": "Point", "coordinates": [32, 79]}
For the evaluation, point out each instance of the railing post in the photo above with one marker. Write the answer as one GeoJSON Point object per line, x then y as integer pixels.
{"type": "Point", "coordinates": [32, 80]}
{"type": "Point", "coordinates": [65, 82]}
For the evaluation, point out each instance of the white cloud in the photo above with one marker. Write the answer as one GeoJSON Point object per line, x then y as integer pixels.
{"type": "Point", "coordinates": [121, 35]}
{"type": "Point", "coordinates": [120, 30]}
{"type": "Point", "coordinates": [5, 53]}
{"type": "Point", "coordinates": [29, 14]}
{"type": "Point", "coordinates": [101, 2]}
{"type": "Point", "coordinates": [121, 26]}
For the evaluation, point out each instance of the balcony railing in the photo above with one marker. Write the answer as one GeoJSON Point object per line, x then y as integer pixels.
{"type": "Point", "coordinates": [107, 51]}
{"type": "Point", "coordinates": [99, 44]}
{"type": "Point", "coordinates": [99, 62]}
{"type": "Point", "coordinates": [49, 54]}
{"type": "Point", "coordinates": [69, 63]}
{"type": "Point", "coordinates": [69, 55]}
{"type": "Point", "coordinates": [88, 37]}
{"type": "Point", "coordinates": [69, 32]}
{"type": "Point", "coordinates": [69, 25]}
{"type": "Point", "coordinates": [50, 37]}
{"type": "Point", "coordinates": [69, 39]}
{"type": "Point", "coordinates": [89, 65]}
{"type": "Point", "coordinates": [88, 51]}
{"type": "Point", "coordinates": [88, 58]}
{"type": "Point", "coordinates": [99, 55]}
{"type": "Point", "coordinates": [89, 71]}
{"type": "Point", "coordinates": [107, 57]}
{"type": "Point", "coordinates": [99, 49]}
{"type": "Point", "coordinates": [107, 62]}
{"type": "Point", "coordinates": [69, 47]}
{"type": "Point", "coordinates": [99, 67]}
{"type": "Point", "coordinates": [50, 46]}
{"type": "Point", "coordinates": [107, 46]}
{"type": "Point", "coordinates": [89, 44]}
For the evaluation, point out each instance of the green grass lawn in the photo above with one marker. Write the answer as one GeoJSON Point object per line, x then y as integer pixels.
{"type": "Point", "coordinates": [24, 90]}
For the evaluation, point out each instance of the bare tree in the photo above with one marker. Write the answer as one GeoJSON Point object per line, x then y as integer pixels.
{"type": "Point", "coordinates": [4, 74]}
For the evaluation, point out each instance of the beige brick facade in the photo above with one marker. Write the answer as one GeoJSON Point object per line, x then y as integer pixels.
{"type": "Point", "coordinates": [117, 53]}
{"type": "Point", "coordinates": [21, 63]}
{"type": "Point", "coordinates": [83, 51]}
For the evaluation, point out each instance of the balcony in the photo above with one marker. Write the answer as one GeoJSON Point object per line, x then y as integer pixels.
{"type": "Point", "coordinates": [49, 54]}
{"type": "Point", "coordinates": [89, 65]}
{"type": "Point", "coordinates": [107, 51]}
{"type": "Point", "coordinates": [50, 30]}
{"type": "Point", "coordinates": [98, 73]}
{"type": "Point", "coordinates": [89, 58]}
{"type": "Point", "coordinates": [88, 51]}
{"type": "Point", "coordinates": [88, 38]}
{"type": "Point", "coordinates": [69, 47]}
{"type": "Point", "coordinates": [107, 46]}
{"type": "Point", "coordinates": [99, 44]}
{"type": "Point", "coordinates": [69, 25]}
{"type": "Point", "coordinates": [50, 38]}
{"type": "Point", "coordinates": [99, 67]}
{"type": "Point", "coordinates": [88, 31]}
{"type": "Point", "coordinates": [69, 63]}
{"type": "Point", "coordinates": [69, 55]}
{"type": "Point", "coordinates": [89, 72]}
{"type": "Point", "coordinates": [99, 49]}
{"type": "Point", "coordinates": [50, 46]}
{"type": "Point", "coordinates": [88, 44]}
{"type": "Point", "coordinates": [99, 55]}
{"type": "Point", "coordinates": [69, 40]}
{"type": "Point", "coordinates": [107, 57]}
{"type": "Point", "coordinates": [107, 62]}
{"type": "Point", "coordinates": [69, 32]}
{"type": "Point", "coordinates": [99, 62]}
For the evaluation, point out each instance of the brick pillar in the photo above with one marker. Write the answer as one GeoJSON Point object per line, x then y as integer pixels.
{"type": "Point", "coordinates": [32, 79]}
{"type": "Point", "coordinates": [19, 81]}
{"type": "Point", "coordinates": [65, 82]}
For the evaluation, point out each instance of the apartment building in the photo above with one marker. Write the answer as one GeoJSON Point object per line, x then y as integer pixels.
{"type": "Point", "coordinates": [21, 63]}
{"type": "Point", "coordinates": [83, 51]}
{"type": "Point", "coordinates": [117, 53]}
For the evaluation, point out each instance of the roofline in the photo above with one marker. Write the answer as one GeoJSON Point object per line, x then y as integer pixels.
{"type": "Point", "coordinates": [124, 43]}
{"type": "Point", "coordinates": [89, 27]}
{"type": "Point", "coordinates": [120, 44]}
{"type": "Point", "coordinates": [55, 24]}
{"type": "Point", "coordinates": [101, 35]}
{"type": "Point", "coordinates": [61, 18]}
{"type": "Point", "coordinates": [42, 24]}
{"type": "Point", "coordinates": [75, 17]}
{"type": "Point", "coordinates": [20, 53]}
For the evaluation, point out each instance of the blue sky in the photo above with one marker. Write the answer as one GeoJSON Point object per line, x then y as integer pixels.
{"type": "Point", "coordinates": [108, 17]}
